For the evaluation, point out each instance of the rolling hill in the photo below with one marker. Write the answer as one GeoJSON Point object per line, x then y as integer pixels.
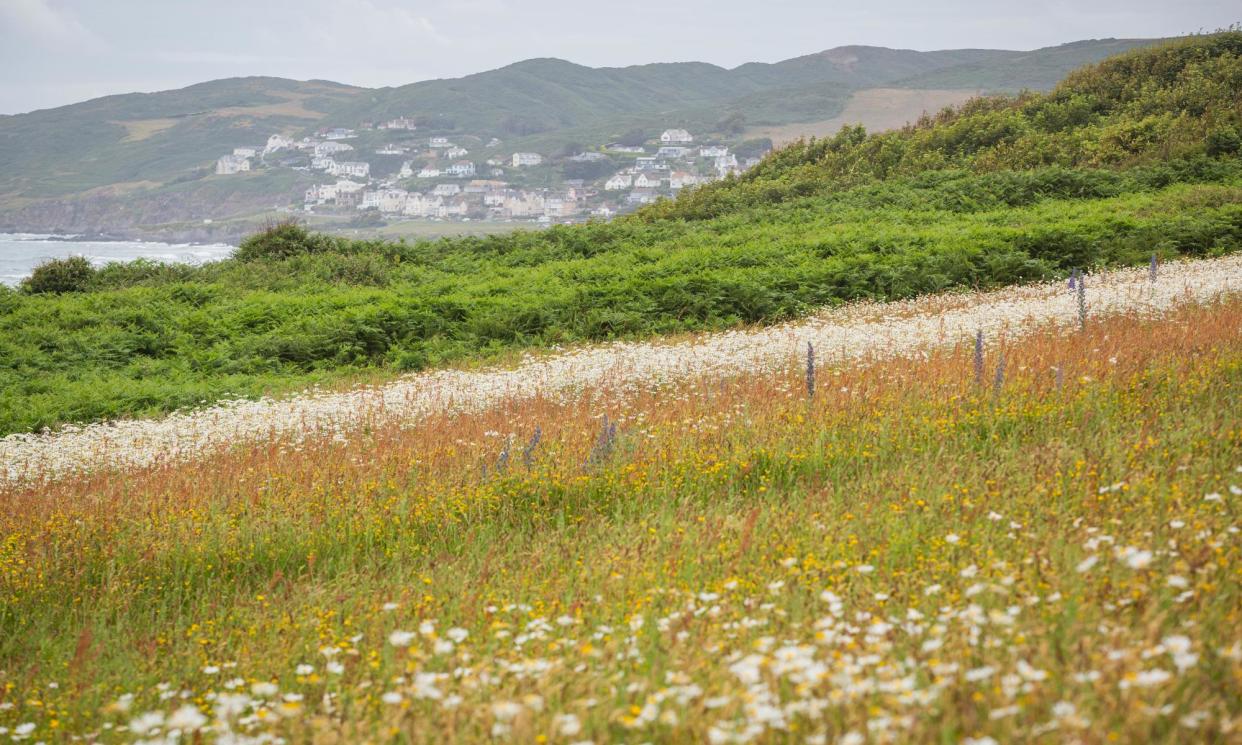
{"type": "Point", "coordinates": [138, 160]}
{"type": "Point", "coordinates": [1133, 157]}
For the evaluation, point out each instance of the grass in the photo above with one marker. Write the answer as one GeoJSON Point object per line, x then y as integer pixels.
{"type": "Point", "coordinates": [908, 555]}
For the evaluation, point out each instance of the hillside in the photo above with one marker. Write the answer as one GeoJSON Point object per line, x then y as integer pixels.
{"type": "Point", "coordinates": [1040, 69]}
{"type": "Point", "coordinates": [1136, 156]}
{"type": "Point", "coordinates": [1161, 104]}
{"type": "Point", "coordinates": [139, 140]}
{"type": "Point", "coordinates": [59, 168]}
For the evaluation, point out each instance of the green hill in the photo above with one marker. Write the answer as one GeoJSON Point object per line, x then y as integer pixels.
{"type": "Point", "coordinates": [1152, 105]}
{"type": "Point", "coordinates": [1040, 69]}
{"type": "Point", "coordinates": [1134, 156]}
{"type": "Point", "coordinates": [112, 155]}
{"type": "Point", "coordinates": [148, 139]}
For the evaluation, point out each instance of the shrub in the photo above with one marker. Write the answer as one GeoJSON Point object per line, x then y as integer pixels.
{"type": "Point", "coordinates": [281, 241]}
{"type": "Point", "coordinates": [1224, 141]}
{"type": "Point", "coordinates": [72, 274]}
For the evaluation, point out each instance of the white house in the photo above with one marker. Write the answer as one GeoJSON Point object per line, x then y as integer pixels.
{"type": "Point", "coordinates": [675, 136]}
{"type": "Point", "coordinates": [421, 205]}
{"type": "Point", "coordinates": [400, 122]}
{"type": "Point", "coordinates": [392, 200]}
{"type": "Point", "coordinates": [390, 149]}
{"type": "Point", "coordinates": [245, 152]}
{"type": "Point", "coordinates": [588, 157]}
{"type": "Point", "coordinates": [339, 133]}
{"type": "Point", "coordinates": [646, 163]}
{"type": "Point", "coordinates": [713, 151]}
{"type": "Point", "coordinates": [453, 208]}
{"type": "Point", "coordinates": [227, 165]}
{"type": "Point", "coordinates": [407, 170]}
{"type": "Point", "coordinates": [439, 142]}
{"type": "Point", "coordinates": [446, 190]}
{"type": "Point", "coordinates": [324, 193]}
{"type": "Point", "coordinates": [526, 159]}
{"type": "Point", "coordinates": [642, 196]}
{"type": "Point", "coordinates": [554, 207]}
{"type": "Point", "coordinates": [681, 179]}
{"type": "Point", "coordinates": [461, 169]}
{"type": "Point", "coordinates": [726, 164]}
{"type": "Point", "coordinates": [647, 181]}
{"type": "Point", "coordinates": [370, 200]}
{"type": "Point", "coordinates": [673, 151]}
{"type": "Point", "coordinates": [619, 182]}
{"type": "Point", "coordinates": [331, 148]}
{"type": "Point", "coordinates": [523, 204]}
{"type": "Point", "coordinates": [617, 147]}
{"type": "Point", "coordinates": [353, 168]}
{"type": "Point", "coordinates": [454, 153]}
{"type": "Point", "coordinates": [323, 164]}
{"type": "Point", "coordinates": [429, 172]}
{"type": "Point", "coordinates": [277, 142]}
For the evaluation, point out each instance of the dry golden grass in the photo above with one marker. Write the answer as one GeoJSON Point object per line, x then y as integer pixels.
{"type": "Point", "coordinates": [877, 109]}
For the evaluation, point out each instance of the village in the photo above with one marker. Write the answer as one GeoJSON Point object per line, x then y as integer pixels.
{"type": "Point", "coordinates": [389, 173]}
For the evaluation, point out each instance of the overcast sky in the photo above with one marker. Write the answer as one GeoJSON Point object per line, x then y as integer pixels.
{"type": "Point", "coordinates": [60, 51]}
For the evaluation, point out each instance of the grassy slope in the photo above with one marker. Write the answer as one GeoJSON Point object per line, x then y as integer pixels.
{"type": "Point", "coordinates": [1040, 69]}
{"type": "Point", "coordinates": [961, 200]}
{"type": "Point", "coordinates": [70, 149]}
{"type": "Point", "coordinates": [959, 530]}
{"type": "Point", "coordinates": [1144, 106]}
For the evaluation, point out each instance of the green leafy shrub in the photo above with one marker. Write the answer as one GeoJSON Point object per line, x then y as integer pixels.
{"type": "Point", "coordinates": [282, 241]}
{"type": "Point", "coordinates": [1223, 141]}
{"type": "Point", "coordinates": [71, 274]}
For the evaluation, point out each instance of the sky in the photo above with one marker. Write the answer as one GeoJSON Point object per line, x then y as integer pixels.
{"type": "Point", "coordinates": [56, 52]}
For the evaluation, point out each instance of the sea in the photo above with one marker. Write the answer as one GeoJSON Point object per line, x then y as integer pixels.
{"type": "Point", "coordinates": [21, 252]}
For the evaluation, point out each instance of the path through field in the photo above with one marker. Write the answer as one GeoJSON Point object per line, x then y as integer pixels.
{"type": "Point", "coordinates": [849, 333]}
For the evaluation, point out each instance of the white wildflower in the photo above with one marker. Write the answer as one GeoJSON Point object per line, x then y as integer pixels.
{"type": "Point", "coordinates": [187, 718]}
{"type": "Point", "coordinates": [401, 638]}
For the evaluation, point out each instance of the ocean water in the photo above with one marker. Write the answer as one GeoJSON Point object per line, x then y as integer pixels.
{"type": "Point", "coordinates": [21, 252]}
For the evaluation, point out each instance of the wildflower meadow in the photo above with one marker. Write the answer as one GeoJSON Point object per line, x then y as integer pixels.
{"type": "Point", "coordinates": [897, 551]}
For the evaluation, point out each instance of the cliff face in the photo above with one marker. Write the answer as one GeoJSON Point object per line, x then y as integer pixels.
{"type": "Point", "coordinates": [176, 214]}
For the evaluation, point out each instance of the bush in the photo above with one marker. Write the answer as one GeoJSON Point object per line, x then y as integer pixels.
{"type": "Point", "coordinates": [72, 274]}
{"type": "Point", "coordinates": [1224, 141]}
{"type": "Point", "coordinates": [281, 241]}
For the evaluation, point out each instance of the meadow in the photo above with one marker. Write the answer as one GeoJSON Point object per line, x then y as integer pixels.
{"type": "Point", "coordinates": [1040, 542]}
{"type": "Point", "coordinates": [870, 525]}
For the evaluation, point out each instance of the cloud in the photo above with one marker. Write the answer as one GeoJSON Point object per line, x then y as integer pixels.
{"type": "Point", "coordinates": [43, 20]}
